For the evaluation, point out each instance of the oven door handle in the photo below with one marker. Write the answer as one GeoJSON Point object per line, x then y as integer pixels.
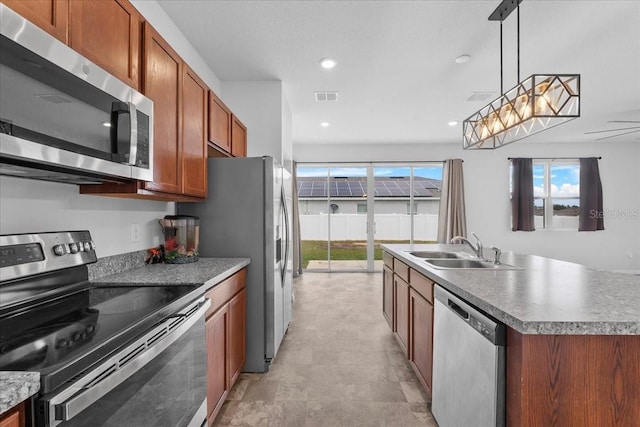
{"type": "Point", "coordinates": [75, 398]}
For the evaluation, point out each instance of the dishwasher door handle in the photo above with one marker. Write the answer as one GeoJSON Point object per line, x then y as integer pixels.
{"type": "Point", "coordinates": [458, 310]}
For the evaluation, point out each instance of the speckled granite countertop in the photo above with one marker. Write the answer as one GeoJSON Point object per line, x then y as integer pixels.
{"type": "Point", "coordinates": [205, 272]}
{"type": "Point", "coordinates": [16, 387]}
{"type": "Point", "coordinates": [546, 296]}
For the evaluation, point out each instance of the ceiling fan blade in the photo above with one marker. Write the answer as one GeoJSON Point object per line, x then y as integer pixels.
{"type": "Point", "coordinates": [620, 134]}
{"type": "Point", "coordinates": [612, 130]}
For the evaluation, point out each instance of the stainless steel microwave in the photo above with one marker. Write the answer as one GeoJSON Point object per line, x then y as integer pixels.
{"type": "Point", "coordinates": [62, 117]}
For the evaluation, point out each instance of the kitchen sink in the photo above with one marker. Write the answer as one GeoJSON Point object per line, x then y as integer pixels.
{"type": "Point", "coordinates": [468, 264]}
{"type": "Point", "coordinates": [438, 254]}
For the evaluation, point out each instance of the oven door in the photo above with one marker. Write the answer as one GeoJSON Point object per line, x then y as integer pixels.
{"type": "Point", "coordinates": [157, 380]}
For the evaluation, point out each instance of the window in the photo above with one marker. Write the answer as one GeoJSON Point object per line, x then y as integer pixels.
{"type": "Point", "coordinates": [556, 194]}
{"type": "Point", "coordinates": [361, 208]}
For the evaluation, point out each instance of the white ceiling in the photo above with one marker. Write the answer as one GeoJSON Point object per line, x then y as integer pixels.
{"type": "Point", "coordinates": [396, 74]}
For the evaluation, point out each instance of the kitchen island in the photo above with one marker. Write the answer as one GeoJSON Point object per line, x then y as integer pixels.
{"type": "Point", "coordinates": [573, 333]}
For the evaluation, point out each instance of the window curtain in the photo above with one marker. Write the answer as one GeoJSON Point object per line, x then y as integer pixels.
{"type": "Point", "coordinates": [297, 244]}
{"type": "Point", "coordinates": [522, 195]}
{"type": "Point", "coordinates": [591, 209]}
{"type": "Point", "coordinates": [452, 219]}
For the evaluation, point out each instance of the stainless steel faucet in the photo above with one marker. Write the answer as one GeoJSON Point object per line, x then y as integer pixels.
{"type": "Point", "coordinates": [477, 249]}
{"type": "Point", "coordinates": [496, 255]}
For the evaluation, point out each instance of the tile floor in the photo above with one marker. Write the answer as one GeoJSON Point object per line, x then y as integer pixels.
{"type": "Point", "coordinates": [338, 365]}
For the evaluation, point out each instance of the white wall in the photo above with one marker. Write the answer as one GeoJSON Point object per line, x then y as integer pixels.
{"type": "Point", "coordinates": [264, 110]}
{"type": "Point", "coordinates": [487, 195]}
{"type": "Point", "coordinates": [36, 206]}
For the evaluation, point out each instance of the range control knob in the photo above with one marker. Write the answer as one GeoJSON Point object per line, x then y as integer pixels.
{"type": "Point", "coordinates": [59, 250]}
{"type": "Point", "coordinates": [73, 248]}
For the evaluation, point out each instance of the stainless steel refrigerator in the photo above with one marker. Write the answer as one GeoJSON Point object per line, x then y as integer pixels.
{"type": "Point", "coordinates": [247, 214]}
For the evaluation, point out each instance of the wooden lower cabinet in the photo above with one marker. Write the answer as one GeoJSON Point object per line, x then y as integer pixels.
{"type": "Point", "coordinates": [225, 328]}
{"type": "Point", "coordinates": [421, 337]}
{"type": "Point", "coordinates": [217, 336]}
{"type": "Point", "coordinates": [402, 312]}
{"type": "Point", "coordinates": [407, 304]}
{"type": "Point", "coordinates": [237, 326]}
{"type": "Point", "coordinates": [14, 417]}
{"type": "Point", "coordinates": [387, 296]}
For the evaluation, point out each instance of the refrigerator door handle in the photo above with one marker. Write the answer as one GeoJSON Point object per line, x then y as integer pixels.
{"type": "Point", "coordinates": [283, 267]}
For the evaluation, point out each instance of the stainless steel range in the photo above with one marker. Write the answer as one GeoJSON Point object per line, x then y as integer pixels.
{"type": "Point", "coordinates": [107, 355]}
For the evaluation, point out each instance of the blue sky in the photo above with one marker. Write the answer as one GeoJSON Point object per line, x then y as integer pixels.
{"type": "Point", "coordinates": [434, 172]}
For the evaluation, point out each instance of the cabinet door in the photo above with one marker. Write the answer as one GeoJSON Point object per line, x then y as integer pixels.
{"type": "Point", "coordinates": [402, 312]}
{"type": "Point", "coordinates": [162, 82]}
{"type": "Point", "coordinates": [219, 123]}
{"type": "Point", "coordinates": [50, 15]}
{"type": "Point", "coordinates": [421, 340]}
{"type": "Point", "coordinates": [237, 311]}
{"type": "Point", "coordinates": [217, 339]}
{"type": "Point", "coordinates": [108, 33]}
{"type": "Point", "coordinates": [238, 138]}
{"type": "Point", "coordinates": [194, 145]}
{"type": "Point", "coordinates": [387, 296]}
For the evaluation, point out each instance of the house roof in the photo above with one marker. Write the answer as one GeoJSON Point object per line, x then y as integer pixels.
{"type": "Point", "coordinates": [350, 187]}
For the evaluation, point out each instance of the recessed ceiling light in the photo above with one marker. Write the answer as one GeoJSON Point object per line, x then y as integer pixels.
{"type": "Point", "coordinates": [324, 124]}
{"type": "Point", "coordinates": [463, 58]}
{"type": "Point", "coordinates": [452, 123]}
{"type": "Point", "coordinates": [328, 63]}
{"type": "Point", "coordinates": [106, 124]}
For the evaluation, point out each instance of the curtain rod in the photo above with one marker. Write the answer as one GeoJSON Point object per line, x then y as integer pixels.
{"type": "Point", "coordinates": [554, 158]}
{"type": "Point", "coordinates": [386, 162]}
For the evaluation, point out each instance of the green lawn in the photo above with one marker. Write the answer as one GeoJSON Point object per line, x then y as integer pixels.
{"type": "Point", "coordinates": [341, 250]}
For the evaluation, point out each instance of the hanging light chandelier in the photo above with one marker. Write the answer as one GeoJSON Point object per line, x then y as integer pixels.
{"type": "Point", "coordinates": [537, 103]}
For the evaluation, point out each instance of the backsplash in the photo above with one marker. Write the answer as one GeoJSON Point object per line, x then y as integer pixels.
{"type": "Point", "coordinates": [116, 264]}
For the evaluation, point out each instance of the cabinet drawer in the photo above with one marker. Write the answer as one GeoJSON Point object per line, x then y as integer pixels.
{"type": "Point", "coordinates": [225, 290]}
{"type": "Point", "coordinates": [401, 269]}
{"type": "Point", "coordinates": [422, 285]}
{"type": "Point", "coordinates": [387, 259]}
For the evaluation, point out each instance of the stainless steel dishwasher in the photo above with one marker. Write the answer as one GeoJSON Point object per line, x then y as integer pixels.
{"type": "Point", "coordinates": [468, 365]}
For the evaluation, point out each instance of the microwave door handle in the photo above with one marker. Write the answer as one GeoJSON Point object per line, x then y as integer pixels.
{"type": "Point", "coordinates": [126, 152]}
{"type": "Point", "coordinates": [133, 132]}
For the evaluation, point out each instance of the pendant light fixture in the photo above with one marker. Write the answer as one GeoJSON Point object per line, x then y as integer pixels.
{"type": "Point", "coordinates": [537, 103]}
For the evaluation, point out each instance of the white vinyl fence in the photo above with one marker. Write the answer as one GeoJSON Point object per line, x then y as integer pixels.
{"type": "Point", "coordinates": [354, 227]}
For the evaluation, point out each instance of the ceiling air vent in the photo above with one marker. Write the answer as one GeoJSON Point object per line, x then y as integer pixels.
{"type": "Point", "coordinates": [480, 96]}
{"type": "Point", "coordinates": [326, 96]}
{"type": "Point", "coordinates": [54, 98]}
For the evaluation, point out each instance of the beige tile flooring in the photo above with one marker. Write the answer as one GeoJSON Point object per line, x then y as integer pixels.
{"type": "Point", "coordinates": [339, 364]}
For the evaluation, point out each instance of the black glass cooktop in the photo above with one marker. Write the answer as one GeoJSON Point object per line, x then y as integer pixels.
{"type": "Point", "coordinates": [63, 337]}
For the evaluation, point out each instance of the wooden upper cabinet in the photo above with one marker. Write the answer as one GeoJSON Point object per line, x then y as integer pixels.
{"type": "Point", "coordinates": [219, 123]}
{"type": "Point", "coordinates": [194, 144]}
{"type": "Point", "coordinates": [50, 15]}
{"type": "Point", "coordinates": [238, 138]}
{"type": "Point", "coordinates": [108, 33]}
{"type": "Point", "coordinates": [162, 83]}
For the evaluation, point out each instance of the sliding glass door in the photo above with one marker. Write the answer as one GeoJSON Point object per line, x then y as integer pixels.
{"type": "Point", "coordinates": [347, 210]}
